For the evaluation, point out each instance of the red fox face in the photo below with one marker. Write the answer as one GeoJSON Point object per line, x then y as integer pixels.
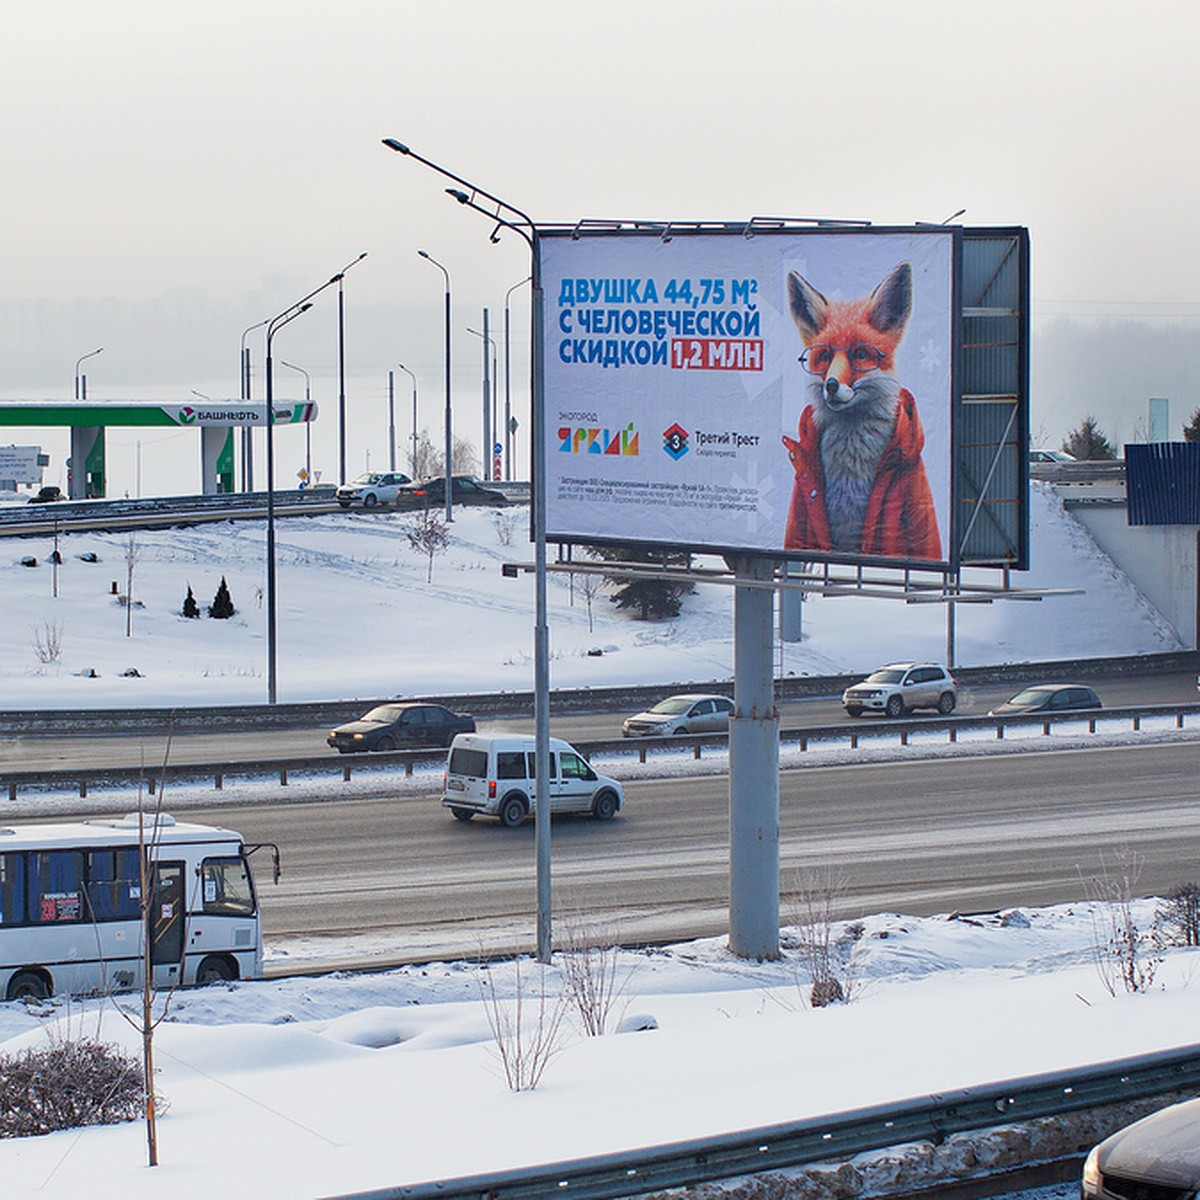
{"type": "Point", "coordinates": [848, 340]}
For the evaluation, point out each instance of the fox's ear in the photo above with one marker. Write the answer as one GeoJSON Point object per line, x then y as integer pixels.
{"type": "Point", "coordinates": [891, 301]}
{"type": "Point", "coordinates": [810, 309]}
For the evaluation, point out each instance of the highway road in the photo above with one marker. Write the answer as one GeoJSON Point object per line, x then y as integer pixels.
{"type": "Point", "coordinates": [965, 834]}
{"type": "Point", "coordinates": [54, 751]}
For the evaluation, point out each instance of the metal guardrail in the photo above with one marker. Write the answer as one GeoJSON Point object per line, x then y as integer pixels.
{"type": "Point", "coordinates": [821, 1139]}
{"type": "Point", "coordinates": [563, 701]}
{"type": "Point", "coordinates": [853, 736]}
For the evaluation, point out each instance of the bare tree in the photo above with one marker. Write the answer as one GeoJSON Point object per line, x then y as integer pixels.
{"type": "Point", "coordinates": [829, 969]}
{"type": "Point", "coordinates": [47, 642]}
{"type": "Point", "coordinates": [1126, 958]}
{"type": "Point", "coordinates": [527, 1028]}
{"type": "Point", "coordinates": [428, 535]}
{"type": "Point", "coordinates": [429, 461]}
{"type": "Point", "coordinates": [595, 985]}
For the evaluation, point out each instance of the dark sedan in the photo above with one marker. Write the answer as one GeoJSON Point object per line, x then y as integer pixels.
{"type": "Point", "coordinates": [466, 489]}
{"type": "Point", "coordinates": [1049, 698]}
{"type": "Point", "coordinates": [400, 727]}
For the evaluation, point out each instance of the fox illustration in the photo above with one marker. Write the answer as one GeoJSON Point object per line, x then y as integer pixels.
{"type": "Point", "coordinates": [860, 484]}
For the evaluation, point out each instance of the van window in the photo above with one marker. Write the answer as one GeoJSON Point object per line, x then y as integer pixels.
{"type": "Point", "coordinates": [573, 767]}
{"type": "Point", "coordinates": [510, 765]}
{"type": "Point", "coordinates": [472, 763]}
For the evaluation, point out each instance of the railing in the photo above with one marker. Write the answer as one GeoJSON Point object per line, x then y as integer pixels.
{"type": "Point", "coordinates": [853, 737]}
{"type": "Point", "coordinates": [821, 1139]}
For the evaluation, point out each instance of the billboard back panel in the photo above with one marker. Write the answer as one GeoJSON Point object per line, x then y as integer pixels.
{"type": "Point", "coordinates": [789, 394]}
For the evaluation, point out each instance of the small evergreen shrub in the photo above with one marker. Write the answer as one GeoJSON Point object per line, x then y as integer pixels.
{"type": "Point", "coordinates": [222, 605]}
{"type": "Point", "coordinates": [190, 607]}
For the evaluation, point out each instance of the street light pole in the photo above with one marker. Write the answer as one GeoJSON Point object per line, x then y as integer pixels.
{"type": "Point", "coordinates": [449, 471]}
{"type": "Point", "coordinates": [273, 326]}
{"type": "Point", "coordinates": [342, 368]}
{"type": "Point", "coordinates": [392, 421]}
{"type": "Point", "coordinates": [89, 354]}
{"type": "Point", "coordinates": [247, 430]}
{"type": "Point", "coordinates": [513, 218]}
{"type": "Point", "coordinates": [413, 464]}
{"type": "Point", "coordinates": [490, 433]}
{"type": "Point", "coordinates": [308, 479]}
{"type": "Point", "coordinates": [508, 474]}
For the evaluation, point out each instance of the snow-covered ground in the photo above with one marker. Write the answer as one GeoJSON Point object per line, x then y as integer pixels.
{"type": "Point", "coordinates": [321, 1086]}
{"type": "Point", "coordinates": [357, 619]}
{"type": "Point", "coordinates": [318, 1087]}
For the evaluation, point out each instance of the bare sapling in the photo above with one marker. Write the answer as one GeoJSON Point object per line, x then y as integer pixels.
{"type": "Point", "coordinates": [526, 1026]}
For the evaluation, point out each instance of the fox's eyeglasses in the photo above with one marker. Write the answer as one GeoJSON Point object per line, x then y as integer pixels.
{"type": "Point", "coordinates": [816, 360]}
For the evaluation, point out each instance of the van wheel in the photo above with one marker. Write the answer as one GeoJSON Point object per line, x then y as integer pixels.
{"type": "Point", "coordinates": [604, 807]}
{"type": "Point", "coordinates": [946, 703]}
{"type": "Point", "coordinates": [28, 985]}
{"type": "Point", "coordinates": [512, 812]}
{"type": "Point", "coordinates": [462, 814]}
{"type": "Point", "coordinates": [895, 706]}
{"type": "Point", "coordinates": [215, 970]}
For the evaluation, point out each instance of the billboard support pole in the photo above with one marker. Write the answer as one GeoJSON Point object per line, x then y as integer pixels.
{"type": "Point", "coordinates": [753, 769]}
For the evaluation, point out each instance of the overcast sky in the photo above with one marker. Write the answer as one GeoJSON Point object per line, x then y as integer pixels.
{"type": "Point", "coordinates": [176, 171]}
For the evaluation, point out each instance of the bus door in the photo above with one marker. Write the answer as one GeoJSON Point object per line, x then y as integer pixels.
{"type": "Point", "coordinates": [166, 917]}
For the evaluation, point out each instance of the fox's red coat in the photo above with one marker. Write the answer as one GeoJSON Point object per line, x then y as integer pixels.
{"type": "Point", "coordinates": [900, 521]}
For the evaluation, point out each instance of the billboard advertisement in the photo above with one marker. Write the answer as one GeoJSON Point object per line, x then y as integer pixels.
{"type": "Point", "coordinates": [788, 394]}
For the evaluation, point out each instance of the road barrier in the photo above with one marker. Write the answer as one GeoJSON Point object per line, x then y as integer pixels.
{"type": "Point", "coordinates": [853, 737]}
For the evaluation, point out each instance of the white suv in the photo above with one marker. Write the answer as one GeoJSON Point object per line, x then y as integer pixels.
{"type": "Point", "coordinates": [372, 488]}
{"type": "Point", "coordinates": [896, 688]}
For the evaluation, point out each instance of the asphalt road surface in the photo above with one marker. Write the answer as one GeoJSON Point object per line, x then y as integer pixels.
{"type": "Point", "coordinates": [961, 834]}
{"type": "Point", "coordinates": [55, 752]}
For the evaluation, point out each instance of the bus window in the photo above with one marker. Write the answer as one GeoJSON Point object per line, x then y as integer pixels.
{"type": "Point", "coordinates": [12, 889]}
{"type": "Point", "coordinates": [227, 887]}
{"type": "Point", "coordinates": [114, 888]}
{"type": "Point", "coordinates": [56, 886]}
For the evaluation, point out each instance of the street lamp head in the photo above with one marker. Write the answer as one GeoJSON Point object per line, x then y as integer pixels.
{"type": "Point", "coordinates": [423, 253]}
{"type": "Point", "coordinates": [461, 197]}
{"type": "Point", "coordinates": [399, 147]}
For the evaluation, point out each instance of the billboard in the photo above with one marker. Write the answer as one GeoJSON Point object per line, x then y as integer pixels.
{"type": "Point", "coordinates": [789, 393]}
{"type": "Point", "coordinates": [22, 464]}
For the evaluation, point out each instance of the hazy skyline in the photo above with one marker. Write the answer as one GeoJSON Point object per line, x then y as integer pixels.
{"type": "Point", "coordinates": [176, 172]}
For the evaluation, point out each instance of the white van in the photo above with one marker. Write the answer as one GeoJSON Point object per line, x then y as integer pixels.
{"type": "Point", "coordinates": [495, 776]}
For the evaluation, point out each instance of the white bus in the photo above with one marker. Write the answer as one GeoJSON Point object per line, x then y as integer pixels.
{"type": "Point", "coordinates": [72, 918]}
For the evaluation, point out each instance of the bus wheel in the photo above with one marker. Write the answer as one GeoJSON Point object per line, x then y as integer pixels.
{"type": "Point", "coordinates": [28, 985]}
{"type": "Point", "coordinates": [215, 970]}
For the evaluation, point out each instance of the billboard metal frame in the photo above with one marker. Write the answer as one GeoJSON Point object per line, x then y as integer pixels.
{"type": "Point", "coordinates": [987, 522]}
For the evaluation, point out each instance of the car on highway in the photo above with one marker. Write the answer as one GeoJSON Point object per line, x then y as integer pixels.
{"type": "Point", "coordinates": [1048, 698]}
{"type": "Point", "coordinates": [46, 495]}
{"type": "Point", "coordinates": [1156, 1158]}
{"type": "Point", "coordinates": [895, 689]}
{"type": "Point", "coordinates": [465, 489]}
{"type": "Point", "coordinates": [372, 488]}
{"type": "Point", "coordinates": [1050, 456]}
{"type": "Point", "coordinates": [400, 727]}
{"type": "Point", "coordinates": [495, 776]}
{"type": "Point", "coordinates": [686, 713]}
